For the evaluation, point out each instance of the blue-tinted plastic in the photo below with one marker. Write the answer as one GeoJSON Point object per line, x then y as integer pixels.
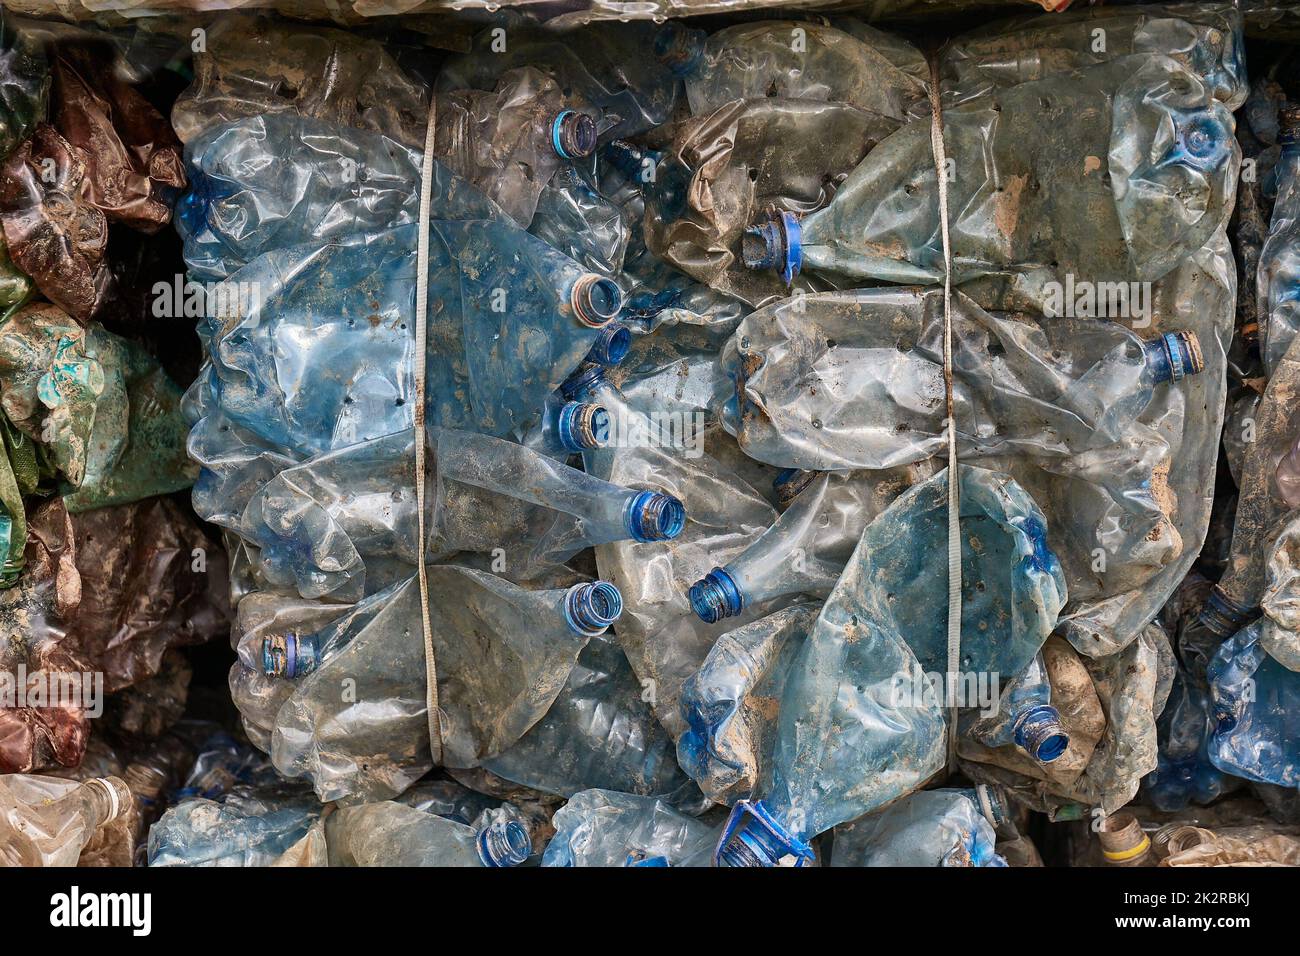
{"type": "Point", "coordinates": [1256, 711]}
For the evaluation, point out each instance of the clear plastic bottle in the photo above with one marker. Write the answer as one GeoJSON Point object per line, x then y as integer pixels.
{"type": "Point", "coordinates": [48, 821]}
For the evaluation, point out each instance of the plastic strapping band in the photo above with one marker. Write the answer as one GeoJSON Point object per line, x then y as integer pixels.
{"type": "Point", "coordinates": [954, 495]}
{"type": "Point", "coordinates": [421, 350]}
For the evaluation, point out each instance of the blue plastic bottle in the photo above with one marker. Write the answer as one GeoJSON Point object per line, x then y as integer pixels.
{"type": "Point", "coordinates": [1025, 717]}
{"type": "Point", "coordinates": [1256, 710]}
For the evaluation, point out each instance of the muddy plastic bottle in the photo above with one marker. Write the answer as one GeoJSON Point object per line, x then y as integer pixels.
{"type": "Point", "coordinates": [1261, 507]}
{"type": "Point", "coordinates": [1256, 712]}
{"type": "Point", "coordinates": [802, 60]}
{"type": "Point", "coordinates": [393, 834]}
{"type": "Point", "coordinates": [611, 66]}
{"type": "Point", "coordinates": [255, 65]}
{"type": "Point", "coordinates": [503, 654]}
{"type": "Point", "coordinates": [606, 828]}
{"type": "Point", "coordinates": [510, 318]}
{"type": "Point", "coordinates": [805, 551]}
{"type": "Point", "coordinates": [509, 143]}
{"type": "Point", "coordinates": [1278, 276]}
{"type": "Point", "coordinates": [817, 387]}
{"type": "Point", "coordinates": [853, 677]}
{"type": "Point", "coordinates": [1147, 182]}
{"type": "Point", "coordinates": [586, 609]}
{"type": "Point", "coordinates": [250, 826]}
{"type": "Point", "coordinates": [931, 828]}
{"type": "Point", "coordinates": [598, 735]}
{"type": "Point", "coordinates": [606, 512]}
{"type": "Point", "coordinates": [48, 821]}
{"type": "Point", "coordinates": [723, 169]}
{"type": "Point", "coordinates": [1025, 717]}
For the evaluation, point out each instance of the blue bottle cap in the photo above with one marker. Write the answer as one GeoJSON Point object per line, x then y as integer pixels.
{"type": "Point", "coordinates": [590, 608]}
{"type": "Point", "coordinates": [595, 300]}
{"type": "Point", "coordinates": [716, 596]}
{"type": "Point", "coordinates": [612, 345]}
{"type": "Point", "coordinates": [775, 243]}
{"type": "Point", "coordinates": [573, 134]}
{"type": "Point", "coordinates": [679, 48]}
{"type": "Point", "coordinates": [1173, 356]}
{"type": "Point", "coordinates": [582, 425]}
{"type": "Point", "coordinates": [753, 837]}
{"type": "Point", "coordinates": [654, 516]}
{"type": "Point", "coordinates": [504, 843]}
{"type": "Point", "coordinates": [1040, 734]}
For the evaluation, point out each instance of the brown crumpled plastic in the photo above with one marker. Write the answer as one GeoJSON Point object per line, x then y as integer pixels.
{"type": "Point", "coordinates": [54, 231]}
{"type": "Point", "coordinates": [134, 169]}
{"type": "Point", "coordinates": [1234, 846]}
{"type": "Point", "coordinates": [108, 592]}
{"type": "Point", "coordinates": [36, 738]}
{"type": "Point", "coordinates": [140, 591]}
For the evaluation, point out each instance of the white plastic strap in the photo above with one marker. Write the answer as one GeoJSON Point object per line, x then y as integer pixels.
{"type": "Point", "coordinates": [421, 350]}
{"type": "Point", "coordinates": [954, 485]}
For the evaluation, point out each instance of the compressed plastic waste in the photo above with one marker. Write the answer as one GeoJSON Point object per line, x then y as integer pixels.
{"type": "Point", "coordinates": [606, 828]}
{"type": "Point", "coordinates": [931, 828]}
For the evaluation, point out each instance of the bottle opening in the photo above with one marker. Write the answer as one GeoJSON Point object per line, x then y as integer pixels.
{"type": "Point", "coordinates": [1224, 616]}
{"type": "Point", "coordinates": [1040, 734]}
{"type": "Point", "coordinates": [655, 516]}
{"type": "Point", "coordinates": [582, 425]}
{"type": "Point", "coordinates": [612, 345]}
{"type": "Point", "coordinates": [590, 608]}
{"type": "Point", "coordinates": [716, 596]}
{"type": "Point", "coordinates": [573, 135]}
{"type": "Point", "coordinates": [1201, 137]}
{"type": "Point", "coordinates": [596, 300]}
{"type": "Point", "coordinates": [504, 843]}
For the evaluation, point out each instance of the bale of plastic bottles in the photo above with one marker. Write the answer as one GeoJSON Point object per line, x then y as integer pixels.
{"type": "Point", "coordinates": [761, 440]}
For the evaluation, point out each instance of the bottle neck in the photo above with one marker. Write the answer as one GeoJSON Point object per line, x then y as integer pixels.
{"type": "Point", "coordinates": [590, 608]}
{"type": "Point", "coordinates": [290, 655]}
{"type": "Point", "coordinates": [1040, 733]}
{"type": "Point", "coordinates": [654, 516]}
{"type": "Point", "coordinates": [716, 596]}
{"type": "Point", "coordinates": [1173, 356]}
{"type": "Point", "coordinates": [504, 843]}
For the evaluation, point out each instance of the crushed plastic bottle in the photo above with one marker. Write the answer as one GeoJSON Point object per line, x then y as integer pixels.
{"type": "Point", "coordinates": [931, 828]}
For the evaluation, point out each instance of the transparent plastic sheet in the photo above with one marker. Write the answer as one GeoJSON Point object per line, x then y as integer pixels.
{"type": "Point", "coordinates": [930, 828]}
